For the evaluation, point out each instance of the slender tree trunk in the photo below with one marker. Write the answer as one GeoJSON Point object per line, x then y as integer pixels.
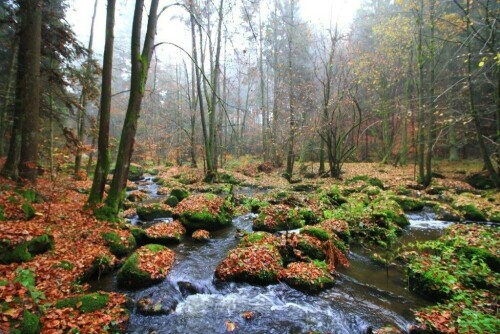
{"type": "Point", "coordinates": [420, 121]}
{"type": "Point", "coordinates": [103, 154]}
{"type": "Point", "coordinates": [82, 113]}
{"type": "Point", "coordinates": [262, 91]}
{"type": "Point", "coordinates": [432, 103]}
{"type": "Point", "coordinates": [30, 42]}
{"type": "Point", "coordinates": [7, 103]}
{"type": "Point", "coordinates": [452, 139]}
{"type": "Point", "coordinates": [291, 141]}
{"type": "Point", "coordinates": [140, 66]}
{"type": "Point", "coordinates": [475, 116]}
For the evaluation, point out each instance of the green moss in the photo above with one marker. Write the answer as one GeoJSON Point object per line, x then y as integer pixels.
{"type": "Point", "coordinates": [472, 213]}
{"type": "Point", "coordinates": [282, 218]}
{"type": "Point", "coordinates": [180, 194]}
{"type": "Point", "coordinates": [227, 178]}
{"type": "Point", "coordinates": [490, 259]}
{"type": "Point", "coordinates": [85, 303]}
{"type": "Point", "coordinates": [2, 213]}
{"type": "Point", "coordinates": [64, 265]}
{"type": "Point", "coordinates": [106, 213]}
{"type": "Point", "coordinates": [301, 280]}
{"type": "Point", "coordinates": [135, 172]}
{"type": "Point", "coordinates": [139, 235]}
{"type": "Point", "coordinates": [316, 232]}
{"type": "Point", "coordinates": [310, 249]}
{"type": "Point", "coordinates": [151, 212]}
{"type": "Point", "coordinates": [152, 171]}
{"type": "Point", "coordinates": [409, 204]}
{"type": "Point", "coordinates": [131, 276]}
{"type": "Point", "coordinates": [373, 181]}
{"type": "Point", "coordinates": [25, 250]}
{"type": "Point", "coordinates": [308, 216]}
{"type": "Point", "coordinates": [29, 211]}
{"type": "Point", "coordinates": [172, 201]}
{"type": "Point", "coordinates": [117, 246]}
{"type": "Point", "coordinates": [102, 264]}
{"type": "Point", "coordinates": [29, 325]}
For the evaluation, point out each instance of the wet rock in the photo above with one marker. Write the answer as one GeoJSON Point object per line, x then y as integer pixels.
{"type": "Point", "coordinates": [187, 288]}
{"type": "Point", "coordinates": [154, 211]}
{"type": "Point", "coordinates": [205, 211]}
{"type": "Point", "coordinates": [136, 196]}
{"type": "Point", "coordinates": [148, 265]}
{"type": "Point", "coordinates": [172, 201]}
{"type": "Point", "coordinates": [149, 306]}
{"type": "Point", "coordinates": [409, 204]}
{"type": "Point", "coordinates": [179, 194]}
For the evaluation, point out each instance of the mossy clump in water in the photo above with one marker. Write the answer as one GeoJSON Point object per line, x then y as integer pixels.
{"type": "Point", "coordinates": [337, 227]}
{"type": "Point", "coordinates": [316, 232]}
{"type": "Point", "coordinates": [201, 235]}
{"type": "Point", "coordinates": [278, 218]}
{"type": "Point", "coordinates": [388, 211]}
{"type": "Point", "coordinates": [258, 264]}
{"type": "Point", "coordinates": [466, 257]}
{"type": "Point", "coordinates": [85, 303]}
{"type": "Point", "coordinates": [154, 211]}
{"type": "Point", "coordinates": [165, 233]}
{"type": "Point", "coordinates": [311, 277]}
{"type": "Point", "coordinates": [179, 193]}
{"type": "Point", "coordinates": [148, 265]}
{"type": "Point", "coordinates": [24, 250]}
{"type": "Point", "coordinates": [135, 172]}
{"type": "Point", "coordinates": [172, 201]}
{"type": "Point", "coordinates": [310, 246]}
{"type": "Point", "coordinates": [205, 211]}
{"type": "Point", "coordinates": [257, 238]}
{"type": "Point", "coordinates": [119, 245]}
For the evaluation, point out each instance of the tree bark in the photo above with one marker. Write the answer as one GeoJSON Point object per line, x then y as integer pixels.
{"type": "Point", "coordinates": [420, 121]}
{"type": "Point", "coordinates": [6, 106]}
{"type": "Point", "coordinates": [140, 66]}
{"type": "Point", "coordinates": [29, 107]}
{"type": "Point", "coordinates": [103, 156]}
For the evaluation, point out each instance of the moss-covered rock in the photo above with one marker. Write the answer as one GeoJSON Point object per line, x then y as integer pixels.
{"type": "Point", "coordinates": [119, 245]}
{"type": "Point", "coordinates": [257, 238]}
{"type": "Point", "coordinates": [152, 171]}
{"type": "Point", "coordinates": [471, 212]}
{"type": "Point", "coordinates": [102, 264]}
{"type": "Point", "coordinates": [172, 201]}
{"type": "Point", "coordinates": [85, 303]}
{"type": "Point", "coordinates": [165, 233]}
{"type": "Point", "coordinates": [310, 246]}
{"type": "Point", "coordinates": [136, 196]}
{"type": "Point", "coordinates": [139, 235]}
{"type": "Point", "coordinates": [309, 216]}
{"type": "Point", "coordinates": [387, 211]}
{"type": "Point", "coordinates": [135, 172]}
{"type": "Point", "coordinates": [309, 277]}
{"type": "Point", "coordinates": [409, 204]}
{"type": "Point", "coordinates": [205, 211]}
{"type": "Point", "coordinates": [337, 227]}
{"type": "Point", "coordinates": [373, 181]}
{"type": "Point", "coordinates": [201, 235]}
{"type": "Point", "coordinates": [30, 324]}
{"type": "Point", "coordinates": [179, 193]}
{"type": "Point", "coordinates": [24, 250]}
{"type": "Point", "coordinates": [153, 211]}
{"type": "Point", "coordinates": [446, 212]}
{"type": "Point", "coordinates": [317, 232]}
{"type": "Point", "coordinates": [149, 265]}
{"type": "Point", "coordinates": [480, 180]}
{"type": "Point", "coordinates": [277, 218]}
{"type": "Point", "coordinates": [258, 264]}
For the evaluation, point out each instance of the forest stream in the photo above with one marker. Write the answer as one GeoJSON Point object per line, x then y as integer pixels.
{"type": "Point", "coordinates": [365, 295]}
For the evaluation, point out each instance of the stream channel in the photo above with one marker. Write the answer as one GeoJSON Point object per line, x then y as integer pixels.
{"type": "Point", "coordinates": [365, 294]}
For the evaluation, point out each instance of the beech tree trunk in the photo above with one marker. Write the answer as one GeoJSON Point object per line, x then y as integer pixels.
{"type": "Point", "coordinates": [140, 66]}
{"type": "Point", "coordinates": [103, 158]}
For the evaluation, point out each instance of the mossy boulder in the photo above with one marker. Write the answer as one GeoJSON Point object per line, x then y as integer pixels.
{"type": "Point", "coordinates": [102, 264]}
{"type": "Point", "coordinates": [311, 277]}
{"type": "Point", "coordinates": [139, 235]}
{"type": "Point", "coordinates": [85, 303]}
{"type": "Point", "coordinates": [387, 211]}
{"type": "Point", "coordinates": [258, 264]}
{"type": "Point", "coordinates": [317, 232]}
{"type": "Point", "coordinates": [258, 238]}
{"type": "Point", "coordinates": [373, 181]}
{"type": "Point", "coordinates": [172, 201]}
{"type": "Point", "coordinates": [337, 227]}
{"type": "Point", "coordinates": [480, 180]}
{"type": "Point", "coordinates": [179, 193]}
{"type": "Point", "coordinates": [154, 211]}
{"type": "Point", "coordinates": [201, 235]}
{"type": "Point", "coordinates": [165, 233]}
{"type": "Point", "coordinates": [205, 211]}
{"type": "Point", "coordinates": [152, 171]}
{"type": "Point", "coordinates": [310, 247]}
{"type": "Point", "coordinates": [148, 265]}
{"type": "Point", "coordinates": [471, 212]}
{"type": "Point", "coordinates": [227, 178]}
{"type": "Point", "coordinates": [23, 251]}
{"type": "Point", "coordinates": [30, 324]}
{"type": "Point", "coordinates": [135, 172]}
{"type": "Point", "coordinates": [136, 196]}
{"type": "Point", "coordinates": [277, 217]}
{"type": "Point", "coordinates": [309, 216]}
{"type": "Point", "coordinates": [119, 245]}
{"type": "Point", "coordinates": [409, 204]}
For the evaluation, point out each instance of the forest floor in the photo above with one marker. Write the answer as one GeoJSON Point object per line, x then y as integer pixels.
{"type": "Point", "coordinates": [56, 245]}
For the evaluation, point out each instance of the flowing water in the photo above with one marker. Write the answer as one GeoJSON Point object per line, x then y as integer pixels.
{"type": "Point", "coordinates": [365, 294]}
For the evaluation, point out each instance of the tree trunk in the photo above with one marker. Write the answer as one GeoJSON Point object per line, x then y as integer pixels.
{"type": "Point", "coordinates": [291, 140]}
{"type": "Point", "coordinates": [30, 13]}
{"type": "Point", "coordinates": [103, 155]}
{"type": "Point", "coordinates": [82, 113]}
{"type": "Point", "coordinates": [420, 121]}
{"type": "Point", "coordinates": [432, 101]}
{"type": "Point", "coordinates": [140, 66]}
{"type": "Point", "coordinates": [5, 111]}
